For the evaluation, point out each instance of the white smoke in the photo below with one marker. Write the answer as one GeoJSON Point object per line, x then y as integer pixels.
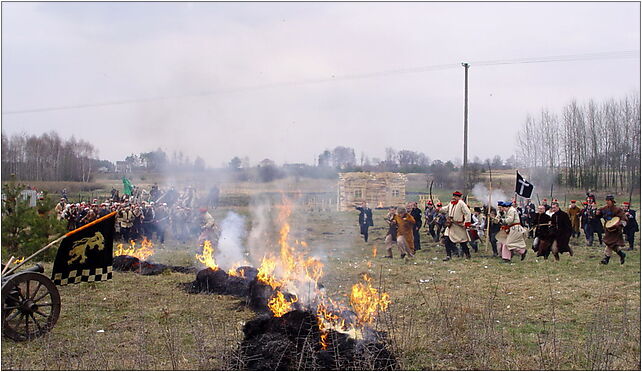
{"type": "Point", "coordinates": [480, 192]}
{"type": "Point", "coordinates": [260, 233]}
{"type": "Point", "coordinates": [230, 245]}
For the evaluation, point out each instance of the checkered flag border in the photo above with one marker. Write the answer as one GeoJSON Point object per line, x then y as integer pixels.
{"type": "Point", "coordinates": [88, 275]}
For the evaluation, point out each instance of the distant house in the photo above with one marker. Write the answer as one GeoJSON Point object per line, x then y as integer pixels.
{"type": "Point", "coordinates": [294, 166]}
{"type": "Point", "coordinates": [123, 167]}
{"type": "Point", "coordinates": [378, 189]}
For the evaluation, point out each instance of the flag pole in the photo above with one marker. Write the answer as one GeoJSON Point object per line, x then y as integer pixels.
{"type": "Point", "coordinates": [35, 254]}
{"type": "Point", "coordinates": [490, 201]}
{"type": "Point", "coordinates": [8, 264]}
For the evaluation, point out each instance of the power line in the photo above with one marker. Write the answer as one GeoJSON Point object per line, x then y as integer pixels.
{"type": "Point", "coordinates": [333, 78]}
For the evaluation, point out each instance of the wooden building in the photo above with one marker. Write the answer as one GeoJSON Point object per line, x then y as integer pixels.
{"type": "Point", "coordinates": [378, 189]}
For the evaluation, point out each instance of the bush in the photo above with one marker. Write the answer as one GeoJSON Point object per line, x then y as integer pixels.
{"type": "Point", "coordinates": [26, 229]}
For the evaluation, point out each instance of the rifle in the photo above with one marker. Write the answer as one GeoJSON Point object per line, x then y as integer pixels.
{"type": "Point", "coordinates": [433, 203]}
{"type": "Point", "coordinates": [538, 202]}
{"type": "Point", "coordinates": [490, 201]}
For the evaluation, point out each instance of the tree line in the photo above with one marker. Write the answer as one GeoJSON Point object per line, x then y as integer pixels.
{"type": "Point", "coordinates": [48, 158]}
{"type": "Point", "coordinates": [592, 145]}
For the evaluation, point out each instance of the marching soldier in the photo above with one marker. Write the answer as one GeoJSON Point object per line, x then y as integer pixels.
{"type": "Point", "coordinates": [613, 236]}
{"type": "Point", "coordinates": [126, 221]}
{"type": "Point", "coordinates": [148, 218]}
{"type": "Point", "coordinates": [365, 219]}
{"type": "Point", "coordinates": [515, 241]}
{"type": "Point", "coordinates": [561, 230]}
{"type": "Point", "coordinates": [458, 219]}
{"type": "Point", "coordinates": [416, 214]}
{"type": "Point", "coordinates": [60, 207]}
{"type": "Point", "coordinates": [429, 214]}
{"type": "Point", "coordinates": [405, 227]}
{"type": "Point", "coordinates": [593, 224]}
{"type": "Point", "coordinates": [161, 222]}
{"type": "Point", "coordinates": [493, 230]}
{"type": "Point", "coordinates": [439, 222]}
{"type": "Point", "coordinates": [632, 226]}
{"type": "Point", "coordinates": [545, 204]}
{"type": "Point", "coordinates": [391, 236]}
{"type": "Point", "coordinates": [574, 214]}
{"type": "Point", "coordinates": [209, 229]}
{"type": "Point", "coordinates": [543, 238]}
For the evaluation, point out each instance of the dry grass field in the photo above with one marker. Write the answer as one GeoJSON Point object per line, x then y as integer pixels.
{"type": "Point", "coordinates": [463, 314]}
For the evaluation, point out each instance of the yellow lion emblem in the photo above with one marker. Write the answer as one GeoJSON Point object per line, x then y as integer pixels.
{"type": "Point", "coordinates": [80, 247]}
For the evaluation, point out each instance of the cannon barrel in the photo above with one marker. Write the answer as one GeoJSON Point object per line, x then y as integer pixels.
{"type": "Point", "coordinates": [37, 268]}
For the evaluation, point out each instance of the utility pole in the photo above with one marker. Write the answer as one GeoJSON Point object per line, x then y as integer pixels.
{"type": "Point", "coordinates": [464, 170]}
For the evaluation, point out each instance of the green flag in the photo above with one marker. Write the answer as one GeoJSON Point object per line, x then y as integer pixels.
{"type": "Point", "coordinates": [127, 187]}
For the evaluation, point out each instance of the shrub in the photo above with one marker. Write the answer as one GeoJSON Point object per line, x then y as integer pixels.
{"type": "Point", "coordinates": [26, 229]}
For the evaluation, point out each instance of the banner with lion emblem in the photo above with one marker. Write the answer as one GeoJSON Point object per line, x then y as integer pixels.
{"type": "Point", "coordinates": [85, 254]}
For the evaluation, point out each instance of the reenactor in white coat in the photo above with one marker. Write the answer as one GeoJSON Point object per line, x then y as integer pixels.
{"type": "Point", "coordinates": [514, 232]}
{"type": "Point", "coordinates": [457, 221]}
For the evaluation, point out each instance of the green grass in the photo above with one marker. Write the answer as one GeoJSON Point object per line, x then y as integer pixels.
{"type": "Point", "coordinates": [462, 314]}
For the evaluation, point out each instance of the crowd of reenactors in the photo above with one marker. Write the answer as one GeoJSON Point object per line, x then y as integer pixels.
{"type": "Point", "coordinates": [148, 215]}
{"type": "Point", "coordinates": [508, 226]}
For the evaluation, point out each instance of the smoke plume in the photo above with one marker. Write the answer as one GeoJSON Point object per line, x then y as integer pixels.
{"type": "Point", "coordinates": [480, 192]}
{"type": "Point", "coordinates": [230, 245]}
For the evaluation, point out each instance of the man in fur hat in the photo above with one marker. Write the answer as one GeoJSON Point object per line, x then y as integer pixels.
{"type": "Point", "coordinates": [613, 237]}
{"type": "Point", "coordinates": [458, 219]}
{"type": "Point", "coordinates": [574, 214]}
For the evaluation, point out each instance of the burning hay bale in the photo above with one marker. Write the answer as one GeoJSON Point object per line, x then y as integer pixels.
{"type": "Point", "coordinates": [291, 342]}
{"type": "Point", "coordinates": [128, 263]}
{"type": "Point", "coordinates": [133, 258]}
{"type": "Point", "coordinates": [299, 327]}
{"type": "Point", "coordinates": [234, 282]}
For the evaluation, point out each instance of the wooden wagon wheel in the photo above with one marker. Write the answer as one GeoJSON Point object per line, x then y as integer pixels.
{"type": "Point", "coordinates": [30, 306]}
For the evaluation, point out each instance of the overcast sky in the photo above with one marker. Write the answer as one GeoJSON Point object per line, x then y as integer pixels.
{"type": "Point", "coordinates": [69, 54]}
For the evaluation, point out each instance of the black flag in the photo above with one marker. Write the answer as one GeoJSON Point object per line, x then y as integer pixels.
{"type": "Point", "coordinates": [85, 254]}
{"type": "Point", "coordinates": [523, 188]}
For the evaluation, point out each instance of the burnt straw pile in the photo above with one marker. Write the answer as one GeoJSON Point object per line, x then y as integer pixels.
{"type": "Point", "coordinates": [128, 263]}
{"type": "Point", "coordinates": [234, 282]}
{"type": "Point", "coordinates": [242, 282]}
{"type": "Point", "coordinates": [298, 327]}
{"type": "Point", "coordinates": [291, 342]}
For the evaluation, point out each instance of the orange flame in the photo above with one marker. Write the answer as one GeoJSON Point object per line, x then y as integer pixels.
{"type": "Point", "coordinates": [374, 251]}
{"type": "Point", "coordinates": [146, 249]}
{"type": "Point", "coordinates": [367, 301]}
{"type": "Point", "coordinates": [328, 319]}
{"type": "Point", "coordinates": [266, 273]}
{"type": "Point", "coordinates": [207, 256]}
{"type": "Point", "coordinates": [279, 305]}
{"type": "Point", "coordinates": [236, 272]}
